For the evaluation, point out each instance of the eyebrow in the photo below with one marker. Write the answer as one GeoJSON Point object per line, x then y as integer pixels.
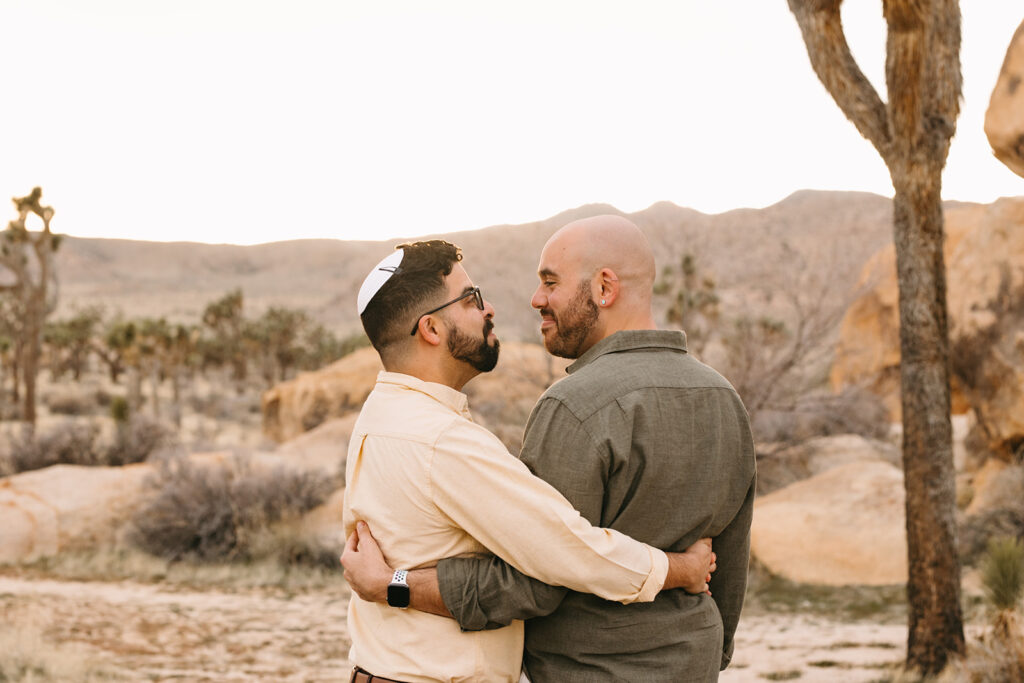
{"type": "Point", "coordinates": [547, 272]}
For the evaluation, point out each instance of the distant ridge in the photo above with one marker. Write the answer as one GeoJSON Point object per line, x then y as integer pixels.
{"type": "Point", "coordinates": [740, 247]}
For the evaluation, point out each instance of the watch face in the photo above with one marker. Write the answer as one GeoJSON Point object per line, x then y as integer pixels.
{"type": "Point", "coordinates": [398, 595]}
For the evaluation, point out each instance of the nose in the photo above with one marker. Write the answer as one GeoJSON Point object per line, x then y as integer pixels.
{"type": "Point", "coordinates": [539, 300]}
{"type": "Point", "coordinates": [488, 309]}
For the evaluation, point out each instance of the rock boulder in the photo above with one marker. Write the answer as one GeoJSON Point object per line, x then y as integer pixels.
{"type": "Point", "coordinates": [844, 526]}
{"type": "Point", "coordinates": [64, 507]}
{"type": "Point", "coordinates": [1004, 120]}
{"type": "Point", "coordinates": [299, 405]}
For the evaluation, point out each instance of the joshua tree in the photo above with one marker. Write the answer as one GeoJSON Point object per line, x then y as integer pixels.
{"type": "Point", "coordinates": [69, 341]}
{"type": "Point", "coordinates": [911, 133]}
{"type": "Point", "coordinates": [29, 258]}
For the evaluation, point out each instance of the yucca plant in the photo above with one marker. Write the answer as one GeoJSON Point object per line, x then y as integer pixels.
{"type": "Point", "coordinates": [1003, 573]}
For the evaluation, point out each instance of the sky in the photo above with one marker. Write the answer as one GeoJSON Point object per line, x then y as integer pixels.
{"type": "Point", "coordinates": [251, 121]}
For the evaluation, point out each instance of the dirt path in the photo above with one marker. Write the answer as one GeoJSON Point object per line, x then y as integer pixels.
{"type": "Point", "coordinates": [161, 632]}
{"type": "Point", "coordinates": [152, 632]}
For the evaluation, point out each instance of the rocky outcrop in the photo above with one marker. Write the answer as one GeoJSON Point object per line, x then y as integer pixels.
{"type": "Point", "coordinates": [844, 526]}
{"type": "Point", "coordinates": [65, 507]}
{"type": "Point", "coordinates": [985, 281]}
{"type": "Point", "coordinates": [299, 405]}
{"type": "Point", "coordinates": [1004, 120]}
{"type": "Point", "coordinates": [986, 306]}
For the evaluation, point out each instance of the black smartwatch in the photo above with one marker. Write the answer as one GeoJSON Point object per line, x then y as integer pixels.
{"type": "Point", "coordinates": [398, 590]}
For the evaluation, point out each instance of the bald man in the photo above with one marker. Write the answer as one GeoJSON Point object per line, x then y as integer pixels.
{"type": "Point", "coordinates": [640, 437]}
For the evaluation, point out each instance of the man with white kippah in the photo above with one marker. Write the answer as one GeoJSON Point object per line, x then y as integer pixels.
{"type": "Point", "coordinates": [433, 484]}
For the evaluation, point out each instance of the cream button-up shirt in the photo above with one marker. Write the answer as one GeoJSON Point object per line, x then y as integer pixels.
{"type": "Point", "coordinates": [431, 483]}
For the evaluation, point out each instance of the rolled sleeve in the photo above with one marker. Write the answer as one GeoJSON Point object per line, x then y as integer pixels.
{"type": "Point", "coordinates": [526, 522]}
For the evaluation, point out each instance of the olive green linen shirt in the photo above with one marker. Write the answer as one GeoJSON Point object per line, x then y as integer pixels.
{"type": "Point", "coordinates": [641, 438]}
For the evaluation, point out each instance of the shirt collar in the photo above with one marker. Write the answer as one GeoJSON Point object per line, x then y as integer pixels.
{"type": "Point", "coordinates": [445, 395]}
{"type": "Point", "coordinates": [630, 340]}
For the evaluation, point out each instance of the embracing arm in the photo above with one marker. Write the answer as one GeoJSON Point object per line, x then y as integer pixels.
{"type": "Point", "coordinates": [453, 588]}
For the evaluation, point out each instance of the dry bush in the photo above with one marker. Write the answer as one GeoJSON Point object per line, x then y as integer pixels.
{"type": "Point", "coordinates": [72, 402]}
{"type": "Point", "coordinates": [225, 511]}
{"type": "Point", "coordinates": [1004, 519]}
{"type": "Point", "coordinates": [73, 442]}
{"type": "Point", "coordinates": [853, 411]}
{"type": "Point", "coordinates": [139, 438]}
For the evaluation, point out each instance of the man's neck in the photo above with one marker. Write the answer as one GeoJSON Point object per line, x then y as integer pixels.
{"type": "Point", "coordinates": [454, 374]}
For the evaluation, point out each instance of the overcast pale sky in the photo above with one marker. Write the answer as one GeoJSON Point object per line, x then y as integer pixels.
{"type": "Point", "coordinates": [247, 121]}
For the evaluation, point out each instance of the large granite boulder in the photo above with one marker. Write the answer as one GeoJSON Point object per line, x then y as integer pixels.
{"type": "Point", "coordinates": [1004, 120]}
{"type": "Point", "coordinates": [297, 406]}
{"type": "Point", "coordinates": [844, 526]}
{"type": "Point", "coordinates": [65, 507]}
{"type": "Point", "coordinates": [985, 282]}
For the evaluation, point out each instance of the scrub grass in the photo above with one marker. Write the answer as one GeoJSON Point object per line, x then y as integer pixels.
{"type": "Point", "coordinates": [129, 564]}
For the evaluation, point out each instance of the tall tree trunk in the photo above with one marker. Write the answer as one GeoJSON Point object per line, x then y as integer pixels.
{"type": "Point", "coordinates": [30, 370]}
{"type": "Point", "coordinates": [19, 355]}
{"type": "Point", "coordinates": [911, 133]}
{"type": "Point", "coordinates": [933, 589]}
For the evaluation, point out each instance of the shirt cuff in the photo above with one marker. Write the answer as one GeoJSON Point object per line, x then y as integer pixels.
{"type": "Point", "coordinates": [453, 582]}
{"type": "Point", "coordinates": [656, 579]}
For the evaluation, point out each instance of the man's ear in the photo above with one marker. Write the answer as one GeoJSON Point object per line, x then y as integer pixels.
{"type": "Point", "coordinates": [428, 329]}
{"type": "Point", "coordinates": [608, 287]}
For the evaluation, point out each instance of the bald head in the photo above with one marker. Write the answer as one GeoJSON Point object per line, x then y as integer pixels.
{"type": "Point", "coordinates": [611, 242]}
{"type": "Point", "coordinates": [596, 277]}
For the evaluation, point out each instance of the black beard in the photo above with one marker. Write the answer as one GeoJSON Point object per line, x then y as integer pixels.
{"type": "Point", "coordinates": [574, 324]}
{"type": "Point", "coordinates": [478, 353]}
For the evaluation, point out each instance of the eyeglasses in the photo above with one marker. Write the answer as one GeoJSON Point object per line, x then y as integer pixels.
{"type": "Point", "coordinates": [475, 292]}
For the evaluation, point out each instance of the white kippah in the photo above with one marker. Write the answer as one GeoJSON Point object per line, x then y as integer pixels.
{"type": "Point", "coordinates": [380, 274]}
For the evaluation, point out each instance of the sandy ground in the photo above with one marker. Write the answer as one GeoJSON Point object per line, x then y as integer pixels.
{"type": "Point", "coordinates": [812, 649]}
{"type": "Point", "coordinates": [162, 632]}
{"type": "Point", "coordinates": [154, 632]}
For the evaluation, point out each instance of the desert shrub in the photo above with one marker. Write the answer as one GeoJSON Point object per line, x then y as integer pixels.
{"type": "Point", "coordinates": [978, 529]}
{"type": "Point", "coordinates": [1004, 517]}
{"type": "Point", "coordinates": [852, 411]}
{"type": "Point", "coordinates": [78, 443]}
{"type": "Point", "coordinates": [216, 511]}
{"type": "Point", "coordinates": [1002, 572]}
{"type": "Point", "coordinates": [74, 402]}
{"type": "Point", "coordinates": [137, 439]}
{"type": "Point", "coordinates": [70, 443]}
{"type": "Point", "coordinates": [119, 409]}
{"type": "Point", "coordinates": [998, 655]}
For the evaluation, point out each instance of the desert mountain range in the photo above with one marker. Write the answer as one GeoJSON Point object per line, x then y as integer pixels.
{"type": "Point", "coordinates": [829, 236]}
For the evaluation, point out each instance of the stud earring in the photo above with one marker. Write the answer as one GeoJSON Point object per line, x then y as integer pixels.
{"type": "Point", "coordinates": [602, 302]}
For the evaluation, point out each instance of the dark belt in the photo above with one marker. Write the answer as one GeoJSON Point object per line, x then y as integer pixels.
{"type": "Point", "coordinates": [364, 676]}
